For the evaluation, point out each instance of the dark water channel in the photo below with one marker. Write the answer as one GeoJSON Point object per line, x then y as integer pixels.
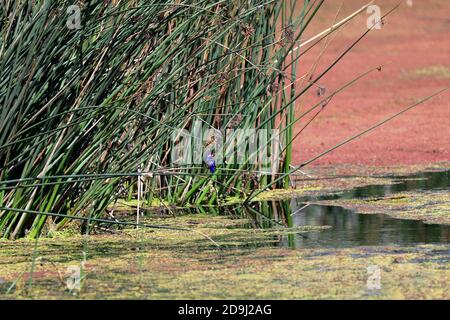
{"type": "Point", "coordinates": [348, 228]}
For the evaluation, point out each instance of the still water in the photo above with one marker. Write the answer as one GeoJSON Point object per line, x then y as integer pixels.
{"type": "Point", "coordinates": [351, 229]}
{"type": "Point", "coordinates": [348, 228]}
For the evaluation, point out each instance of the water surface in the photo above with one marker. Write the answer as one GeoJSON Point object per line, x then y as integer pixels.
{"type": "Point", "coordinates": [348, 229]}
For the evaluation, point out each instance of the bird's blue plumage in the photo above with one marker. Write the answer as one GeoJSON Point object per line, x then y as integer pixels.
{"type": "Point", "coordinates": [210, 162]}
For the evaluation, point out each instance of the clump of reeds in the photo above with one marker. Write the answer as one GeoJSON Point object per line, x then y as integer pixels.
{"type": "Point", "coordinates": [88, 111]}
{"type": "Point", "coordinates": [84, 109]}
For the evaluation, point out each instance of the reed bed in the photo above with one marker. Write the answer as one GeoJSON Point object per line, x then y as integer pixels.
{"type": "Point", "coordinates": [86, 112]}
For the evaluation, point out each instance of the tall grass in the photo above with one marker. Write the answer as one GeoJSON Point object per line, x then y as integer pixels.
{"type": "Point", "coordinates": [106, 98]}
{"type": "Point", "coordinates": [85, 111]}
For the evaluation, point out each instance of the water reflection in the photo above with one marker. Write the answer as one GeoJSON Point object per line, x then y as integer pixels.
{"type": "Point", "coordinates": [352, 229]}
{"type": "Point", "coordinates": [348, 228]}
{"type": "Point", "coordinates": [420, 182]}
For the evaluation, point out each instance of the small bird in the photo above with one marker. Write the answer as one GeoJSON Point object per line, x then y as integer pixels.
{"type": "Point", "coordinates": [210, 162]}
